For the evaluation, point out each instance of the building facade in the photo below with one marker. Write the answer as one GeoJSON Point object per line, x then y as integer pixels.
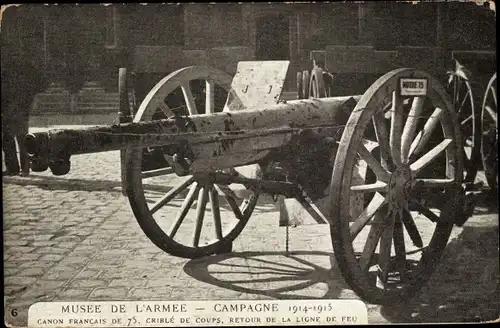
{"type": "Point", "coordinates": [82, 46]}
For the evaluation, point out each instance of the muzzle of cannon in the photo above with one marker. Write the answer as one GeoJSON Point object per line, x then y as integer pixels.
{"type": "Point", "coordinates": [378, 169]}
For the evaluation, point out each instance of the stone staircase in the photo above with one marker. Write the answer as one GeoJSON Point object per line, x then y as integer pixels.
{"type": "Point", "coordinates": [56, 99]}
{"type": "Point", "coordinates": [91, 99]}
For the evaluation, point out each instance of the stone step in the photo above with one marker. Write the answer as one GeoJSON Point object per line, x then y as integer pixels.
{"type": "Point", "coordinates": [56, 91]}
{"type": "Point", "coordinates": [81, 103]}
{"type": "Point", "coordinates": [94, 100]}
{"type": "Point", "coordinates": [92, 84]}
{"type": "Point", "coordinates": [97, 92]}
{"type": "Point", "coordinates": [67, 109]}
{"type": "Point", "coordinates": [95, 108]}
{"type": "Point", "coordinates": [59, 100]}
{"type": "Point", "coordinates": [98, 104]}
{"type": "Point", "coordinates": [96, 95]}
{"type": "Point", "coordinates": [53, 103]}
{"type": "Point", "coordinates": [93, 111]}
{"type": "Point", "coordinates": [45, 97]}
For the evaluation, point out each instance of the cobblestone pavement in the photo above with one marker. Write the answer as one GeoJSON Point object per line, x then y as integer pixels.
{"type": "Point", "coordinates": [75, 238]}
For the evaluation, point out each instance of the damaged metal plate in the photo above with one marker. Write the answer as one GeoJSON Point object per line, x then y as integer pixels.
{"type": "Point", "coordinates": [256, 83]}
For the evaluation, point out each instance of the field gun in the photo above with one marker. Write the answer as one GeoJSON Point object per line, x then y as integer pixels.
{"type": "Point", "coordinates": [369, 167]}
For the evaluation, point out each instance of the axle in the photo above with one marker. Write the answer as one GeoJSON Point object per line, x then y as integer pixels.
{"type": "Point", "coordinates": [209, 138]}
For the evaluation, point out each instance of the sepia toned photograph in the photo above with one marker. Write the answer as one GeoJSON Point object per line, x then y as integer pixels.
{"type": "Point", "coordinates": [271, 159]}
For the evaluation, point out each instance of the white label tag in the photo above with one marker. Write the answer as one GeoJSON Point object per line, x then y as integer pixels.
{"type": "Point", "coordinates": [413, 87]}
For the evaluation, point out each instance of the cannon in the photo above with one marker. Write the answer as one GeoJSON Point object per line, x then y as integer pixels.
{"type": "Point", "coordinates": [382, 170]}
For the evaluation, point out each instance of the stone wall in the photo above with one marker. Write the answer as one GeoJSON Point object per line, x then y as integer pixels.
{"type": "Point", "coordinates": [211, 26]}
{"type": "Point", "coordinates": [359, 59]}
{"type": "Point", "coordinates": [366, 59]}
{"type": "Point", "coordinates": [154, 59]}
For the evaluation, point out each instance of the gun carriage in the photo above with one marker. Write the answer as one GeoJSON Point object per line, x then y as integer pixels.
{"type": "Point", "coordinates": [377, 169]}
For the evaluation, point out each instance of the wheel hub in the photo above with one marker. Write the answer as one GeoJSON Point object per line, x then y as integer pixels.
{"type": "Point", "coordinates": [400, 186]}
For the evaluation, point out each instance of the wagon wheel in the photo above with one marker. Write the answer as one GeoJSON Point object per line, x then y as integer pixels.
{"type": "Point", "coordinates": [299, 85]}
{"type": "Point", "coordinates": [464, 103]}
{"type": "Point", "coordinates": [400, 125]}
{"type": "Point", "coordinates": [169, 227]}
{"type": "Point", "coordinates": [305, 84]}
{"type": "Point", "coordinates": [317, 87]}
{"type": "Point", "coordinates": [489, 134]}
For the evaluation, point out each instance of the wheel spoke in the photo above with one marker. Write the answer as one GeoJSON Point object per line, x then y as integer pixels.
{"type": "Point", "coordinates": [200, 214]}
{"type": "Point", "coordinates": [372, 187]}
{"type": "Point", "coordinates": [171, 194]}
{"type": "Point", "coordinates": [157, 172]}
{"type": "Point", "coordinates": [396, 127]}
{"type": "Point", "coordinates": [214, 201]}
{"type": "Point", "coordinates": [376, 229]}
{"type": "Point", "coordinates": [467, 95]}
{"type": "Point", "coordinates": [456, 86]}
{"type": "Point", "coordinates": [380, 172]}
{"type": "Point", "coordinates": [412, 229]}
{"type": "Point", "coordinates": [382, 137]}
{"type": "Point", "coordinates": [433, 183]}
{"type": "Point", "coordinates": [164, 108]}
{"type": "Point", "coordinates": [492, 113]}
{"type": "Point", "coordinates": [209, 97]}
{"type": "Point", "coordinates": [494, 94]}
{"type": "Point", "coordinates": [425, 211]}
{"type": "Point", "coordinates": [186, 205]}
{"type": "Point", "coordinates": [399, 247]}
{"type": "Point", "coordinates": [467, 119]}
{"type": "Point", "coordinates": [188, 97]}
{"type": "Point", "coordinates": [423, 136]}
{"type": "Point", "coordinates": [430, 156]}
{"type": "Point", "coordinates": [228, 192]}
{"type": "Point", "coordinates": [375, 204]}
{"type": "Point", "coordinates": [230, 199]}
{"type": "Point", "coordinates": [411, 126]}
{"type": "Point", "coordinates": [385, 251]}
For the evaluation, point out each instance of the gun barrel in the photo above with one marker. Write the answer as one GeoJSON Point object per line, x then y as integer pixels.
{"type": "Point", "coordinates": [59, 145]}
{"type": "Point", "coordinates": [100, 138]}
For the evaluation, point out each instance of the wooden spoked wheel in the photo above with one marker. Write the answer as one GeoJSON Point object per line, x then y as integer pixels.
{"type": "Point", "coordinates": [388, 251]}
{"type": "Point", "coordinates": [165, 215]}
{"type": "Point", "coordinates": [305, 84]}
{"type": "Point", "coordinates": [317, 88]}
{"type": "Point", "coordinates": [489, 134]}
{"type": "Point", "coordinates": [464, 103]}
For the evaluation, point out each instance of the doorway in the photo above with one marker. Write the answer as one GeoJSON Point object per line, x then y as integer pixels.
{"type": "Point", "coordinates": [272, 37]}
